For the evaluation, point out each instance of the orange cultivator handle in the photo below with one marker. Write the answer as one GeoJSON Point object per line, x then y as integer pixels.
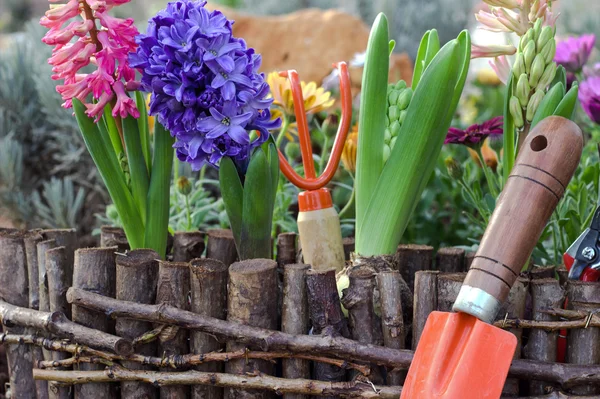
{"type": "Point", "coordinates": [318, 222]}
{"type": "Point", "coordinates": [459, 355]}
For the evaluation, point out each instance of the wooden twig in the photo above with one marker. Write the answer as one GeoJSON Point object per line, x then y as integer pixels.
{"type": "Point", "coordinates": [349, 247]}
{"type": "Point", "coordinates": [14, 288]}
{"type": "Point", "coordinates": [221, 246]}
{"type": "Point", "coordinates": [137, 274]}
{"type": "Point", "coordinates": [94, 270]}
{"type": "Point", "coordinates": [354, 389]}
{"type": "Point", "coordinates": [286, 249]}
{"type": "Point", "coordinates": [411, 259]}
{"type": "Point", "coordinates": [389, 284]}
{"type": "Point", "coordinates": [209, 298]}
{"type": "Point", "coordinates": [113, 237]}
{"type": "Point", "coordinates": [188, 245]}
{"type": "Point", "coordinates": [424, 303]}
{"type": "Point", "coordinates": [294, 316]}
{"type": "Point", "coordinates": [450, 260]}
{"type": "Point", "coordinates": [173, 288]}
{"type": "Point", "coordinates": [252, 300]}
{"type": "Point", "coordinates": [56, 323]}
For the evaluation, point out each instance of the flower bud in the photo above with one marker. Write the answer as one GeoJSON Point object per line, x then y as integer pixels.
{"type": "Point", "coordinates": [393, 113]}
{"type": "Point", "coordinates": [537, 70]}
{"type": "Point", "coordinates": [523, 89]}
{"type": "Point", "coordinates": [386, 153]}
{"type": "Point", "coordinates": [546, 35]}
{"type": "Point", "coordinates": [393, 143]}
{"type": "Point", "coordinates": [387, 121]}
{"type": "Point", "coordinates": [549, 51]}
{"type": "Point", "coordinates": [393, 96]}
{"type": "Point", "coordinates": [526, 38]}
{"type": "Point", "coordinates": [529, 55]}
{"type": "Point", "coordinates": [387, 136]}
{"type": "Point", "coordinates": [534, 103]}
{"type": "Point", "coordinates": [454, 168]}
{"type": "Point", "coordinates": [111, 212]}
{"type": "Point", "coordinates": [184, 186]}
{"type": "Point", "coordinates": [292, 150]}
{"type": "Point", "coordinates": [400, 85]}
{"type": "Point", "coordinates": [547, 76]}
{"type": "Point", "coordinates": [537, 29]}
{"type": "Point", "coordinates": [519, 66]}
{"type": "Point", "coordinates": [516, 111]}
{"type": "Point", "coordinates": [402, 116]}
{"type": "Point", "coordinates": [404, 99]}
{"type": "Point", "coordinates": [395, 127]}
{"type": "Point", "coordinates": [349, 152]}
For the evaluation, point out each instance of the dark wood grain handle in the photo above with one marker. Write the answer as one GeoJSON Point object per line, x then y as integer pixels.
{"type": "Point", "coordinates": [543, 169]}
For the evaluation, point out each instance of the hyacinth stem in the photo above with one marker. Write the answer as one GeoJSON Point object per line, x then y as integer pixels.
{"type": "Point", "coordinates": [486, 172]}
{"type": "Point", "coordinates": [157, 216]}
{"type": "Point", "coordinates": [137, 165]}
{"type": "Point", "coordinates": [345, 213]}
{"type": "Point", "coordinates": [285, 124]}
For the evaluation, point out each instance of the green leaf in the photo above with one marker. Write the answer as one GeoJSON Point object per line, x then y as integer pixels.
{"type": "Point", "coordinates": [566, 108]}
{"type": "Point", "coordinates": [508, 138]}
{"type": "Point", "coordinates": [373, 108]}
{"type": "Point", "coordinates": [158, 196]}
{"type": "Point", "coordinates": [392, 46]}
{"type": "Point", "coordinates": [414, 156]}
{"type": "Point", "coordinates": [113, 131]}
{"type": "Point", "coordinates": [112, 177]}
{"type": "Point", "coordinates": [560, 77]}
{"type": "Point", "coordinates": [232, 192]}
{"type": "Point", "coordinates": [140, 101]}
{"type": "Point", "coordinates": [137, 164]}
{"type": "Point", "coordinates": [255, 237]}
{"type": "Point", "coordinates": [430, 45]}
{"type": "Point", "coordinates": [549, 103]}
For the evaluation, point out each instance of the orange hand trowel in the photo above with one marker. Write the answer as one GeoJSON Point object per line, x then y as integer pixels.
{"type": "Point", "coordinates": [460, 355]}
{"type": "Point", "coordinates": [318, 221]}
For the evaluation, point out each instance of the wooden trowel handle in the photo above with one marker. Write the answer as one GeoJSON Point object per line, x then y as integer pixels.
{"type": "Point", "coordinates": [544, 167]}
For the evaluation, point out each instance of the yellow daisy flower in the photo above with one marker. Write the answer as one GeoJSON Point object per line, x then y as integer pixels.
{"type": "Point", "coordinates": [316, 99]}
{"type": "Point", "coordinates": [349, 153]}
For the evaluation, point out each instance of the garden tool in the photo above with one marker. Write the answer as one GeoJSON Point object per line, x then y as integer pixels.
{"type": "Point", "coordinates": [460, 355]}
{"type": "Point", "coordinates": [318, 221]}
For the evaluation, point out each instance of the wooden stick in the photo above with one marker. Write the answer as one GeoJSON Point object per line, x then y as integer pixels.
{"type": "Point", "coordinates": [448, 286]}
{"type": "Point", "coordinates": [425, 302]}
{"type": "Point", "coordinates": [64, 238]}
{"type": "Point", "coordinates": [326, 316]}
{"type": "Point", "coordinates": [469, 257]}
{"type": "Point", "coordinates": [252, 300]}
{"type": "Point", "coordinates": [389, 284]}
{"type": "Point", "coordinates": [365, 326]}
{"type": "Point", "coordinates": [137, 274]}
{"type": "Point", "coordinates": [563, 374]}
{"type": "Point", "coordinates": [188, 245]}
{"type": "Point", "coordinates": [286, 249]}
{"type": "Point", "coordinates": [450, 260]}
{"type": "Point", "coordinates": [541, 272]}
{"type": "Point", "coordinates": [349, 246]}
{"type": "Point", "coordinates": [31, 239]}
{"type": "Point", "coordinates": [94, 270]}
{"type": "Point", "coordinates": [265, 383]}
{"type": "Point", "coordinates": [209, 298]}
{"type": "Point", "coordinates": [42, 247]}
{"type": "Point", "coordinates": [294, 317]}
{"type": "Point", "coordinates": [173, 289]}
{"type": "Point", "coordinates": [114, 237]}
{"type": "Point", "coordinates": [546, 293]}
{"type": "Point", "coordinates": [221, 246]}
{"type": "Point", "coordinates": [15, 289]}
{"type": "Point", "coordinates": [583, 345]}
{"type": "Point", "coordinates": [60, 278]}
{"type": "Point", "coordinates": [413, 258]}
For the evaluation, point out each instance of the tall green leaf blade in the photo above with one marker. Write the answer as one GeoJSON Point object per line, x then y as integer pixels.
{"type": "Point", "coordinates": [158, 196]}
{"type": "Point", "coordinates": [549, 103]}
{"type": "Point", "coordinates": [255, 237]}
{"type": "Point", "coordinates": [113, 131]}
{"type": "Point", "coordinates": [232, 192]}
{"type": "Point", "coordinates": [112, 177]}
{"type": "Point", "coordinates": [137, 164]}
{"type": "Point", "coordinates": [413, 157]}
{"type": "Point", "coordinates": [140, 101]}
{"type": "Point", "coordinates": [508, 138]}
{"type": "Point", "coordinates": [566, 108]}
{"type": "Point", "coordinates": [371, 124]}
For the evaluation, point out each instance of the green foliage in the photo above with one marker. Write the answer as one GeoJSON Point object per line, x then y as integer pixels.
{"type": "Point", "coordinates": [59, 204]}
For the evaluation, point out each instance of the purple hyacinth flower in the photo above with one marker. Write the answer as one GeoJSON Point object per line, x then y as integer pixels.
{"type": "Point", "coordinates": [179, 36]}
{"type": "Point", "coordinates": [589, 96]}
{"type": "Point", "coordinates": [209, 24]}
{"type": "Point", "coordinates": [226, 80]}
{"type": "Point", "coordinates": [574, 52]}
{"type": "Point", "coordinates": [218, 50]}
{"type": "Point", "coordinates": [476, 133]}
{"type": "Point", "coordinates": [227, 121]}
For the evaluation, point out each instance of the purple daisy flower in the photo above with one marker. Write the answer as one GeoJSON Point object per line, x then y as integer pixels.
{"type": "Point", "coordinates": [574, 52]}
{"type": "Point", "coordinates": [475, 134]}
{"type": "Point", "coordinates": [589, 96]}
{"type": "Point", "coordinates": [205, 85]}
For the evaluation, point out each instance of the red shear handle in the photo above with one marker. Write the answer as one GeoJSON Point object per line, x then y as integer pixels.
{"type": "Point", "coordinates": [311, 182]}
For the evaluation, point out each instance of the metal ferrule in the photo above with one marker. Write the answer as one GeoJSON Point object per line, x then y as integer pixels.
{"type": "Point", "coordinates": [478, 303]}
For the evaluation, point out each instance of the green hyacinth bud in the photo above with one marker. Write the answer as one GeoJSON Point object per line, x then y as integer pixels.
{"type": "Point", "coordinates": [184, 186]}
{"type": "Point", "coordinates": [395, 127]}
{"type": "Point", "coordinates": [537, 70]}
{"type": "Point", "coordinates": [387, 121]}
{"type": "Point", "coordinates": [547, 76]}
{"type": "Point", "coordinates": [387, 136]}
{"type": "Point", "coordinates": [393, 113]}
{"type": "Point", "coordinates": [523, 89]}
{"type": "Point", "coordinates": [519, 66]}
{"type": "Point", "coordinates": [386, 153]}
{"type": "Point", "coordinates": [393, 96]}
{"type": "Point", "coordinates": [529, 55]}
{"type": "Point", "coordinates": [549, 51]}
{"type": "Point", "coordinates": [402, 116]}
{"type": "Point", "coordinates": [404, 98]}
{"type": "Point", "coordinates": [400, 85]}
{"type": "Point", "coordinates": [526, 38]}
{"type": "Point", "coordinates": [393, 143]}
{"type": "Point", "coordinates": [537, 29]}
{"type": "Point", "coordinates": [454, 168]}
{"type": "Point", "coordinates": [546, 35]}
{"type": "Point", "coordinates": [516, 111]}
{"type": "Point", "coordinates": [534, 103]}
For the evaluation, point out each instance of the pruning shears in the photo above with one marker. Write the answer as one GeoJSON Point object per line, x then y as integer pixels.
{"type": "Point", "coordinates": [582, 259]}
